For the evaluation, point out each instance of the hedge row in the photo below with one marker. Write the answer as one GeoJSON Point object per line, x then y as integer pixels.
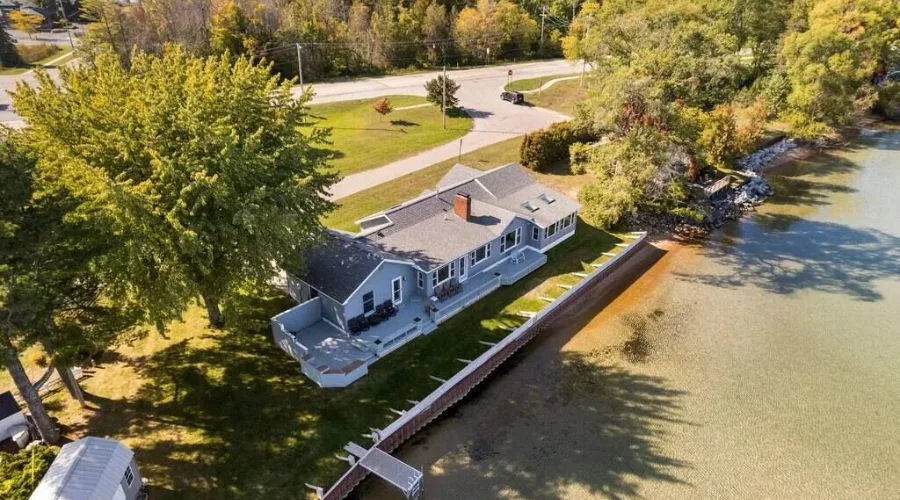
{"type": "Point", "coordinates": [541, 149]}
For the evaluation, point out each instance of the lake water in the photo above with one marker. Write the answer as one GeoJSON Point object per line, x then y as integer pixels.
{"type": "Point", "coordinates": [762, 363]}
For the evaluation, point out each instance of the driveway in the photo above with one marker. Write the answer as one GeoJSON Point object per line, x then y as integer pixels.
{"type": "Point", "coordinates": [479, 94]}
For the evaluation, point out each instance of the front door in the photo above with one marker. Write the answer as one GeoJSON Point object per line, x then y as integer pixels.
{"type": "Point", "coordinates": [462, 270]}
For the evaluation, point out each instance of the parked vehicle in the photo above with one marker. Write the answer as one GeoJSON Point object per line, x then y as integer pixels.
{"type": "Point", "coordinates": [513, 97]}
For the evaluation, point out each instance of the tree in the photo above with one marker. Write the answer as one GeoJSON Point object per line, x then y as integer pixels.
{"type": "Point", "coordinates": [382, 106]}
{"type": "Point", "coordinates": [23, 21]}
{"type": "Point", "coordinates": [831, 64]}
{"type": "Point", "coordinates": [8, 55]}
{"type": "Point", "coordinates": [436, 94]}
{"type": "Point", "coordinates": [206, 170]}
{"type": "Point", "coordinates": [22, 471]}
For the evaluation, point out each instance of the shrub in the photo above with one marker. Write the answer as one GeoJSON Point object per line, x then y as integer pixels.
{"type": "Point", "coordinates": [32, 53]}
{"type": "Point", "coordinates": [21, 472]}
{"type": "Point", "coordinates": [39, 359]}
{"type": "Point", "coordinates": [889, 100]}
{"type": "Point", "coordinates": [541, 149]}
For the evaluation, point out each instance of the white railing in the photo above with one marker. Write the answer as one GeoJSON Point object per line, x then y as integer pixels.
{"type": "Point", "coordinates": [535, 262]}
{"type": "Point", "coordinates": [465, 299]}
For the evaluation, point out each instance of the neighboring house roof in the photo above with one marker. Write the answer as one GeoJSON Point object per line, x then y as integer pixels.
{"type": "Point", "coordinates": [87, 469]}
{"type": "Point", "coordinates": [459, 173]}
{"type": "Point", "coordinates": [8, 405]}
{"type": "Point", "coordinates": [338, 265]}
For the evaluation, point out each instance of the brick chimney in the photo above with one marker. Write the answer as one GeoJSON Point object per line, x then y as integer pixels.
{"type": "Point", "coordinates": [462, 206]}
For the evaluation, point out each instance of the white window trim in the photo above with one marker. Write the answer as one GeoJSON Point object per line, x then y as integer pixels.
{"type": "Point", "coordinates": [450, 274]}
{"type": "Point", "coordinates": [473, 255]}
{"type": "Point", "coordinates": [399, 281]}
{"type": "Point", "coordinates": [364, 301]}
{"type": "Point", "coordinates": [516, 240]}
{"type": "Point", "coordinates": [463, 268]}
{"type": "Point", "coordinates": [535, 233]}
{"type": "Point", "coordinates": [420, 279]}
{"type": "Point", "coordinates": [128, 475]}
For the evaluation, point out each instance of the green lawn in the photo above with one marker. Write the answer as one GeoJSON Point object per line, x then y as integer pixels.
{"type": "Point", "coordinates": [533, 83]}
{"type": "Point", "coordinates": [560, 97]}
{"type": "Point", "coordinates": [359, 205]}
{"type": "Point", "coordinates": [364, 140]}
{"type": "Point", "coordinates": [226, 414]}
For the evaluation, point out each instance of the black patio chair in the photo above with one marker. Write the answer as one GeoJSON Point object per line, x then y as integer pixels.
{"type": "Point", "coordinates": [374, 320]}
{"type": "Point", "coordinates": [389, 308]}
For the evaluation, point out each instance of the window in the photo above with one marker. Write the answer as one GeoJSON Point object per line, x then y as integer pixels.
{"type": "Point", "coordinates": [420, 279]}
{"type": "Point", "coordinates": [546, 198]}
{"type": "Point", "coordinates": [535, 233]}
{"type": "Point", "coordinates": [529, 206]}
{"type": "Point", "coordinates": [510, 239]}
{"type": "Point", "coordinates": [569, 220]}
{"type": "Point", "coordinates": [550, 231]}
{"type": "Point", "coordinates": [129, 476]}
{"type": "Point", "coordinates": [479, 255]}
{"type": "Point", "coordinates": [397, 290]}
{"type": "Point", "coordinates": [313, 293]}
{"type": "Point", "coordinates": [443, 274]}
{"type": "Point", "coordinates": [368, 302]}
{"type": "Point", "coordinates": [462, 268]}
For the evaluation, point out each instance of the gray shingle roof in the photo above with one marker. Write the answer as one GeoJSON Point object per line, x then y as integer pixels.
{"type": "Point", "coordinates": [338, 265]}
{"type": "Point", "coordinates": [426, 232]}
{"type": "Point", "coordinates": [87, 469]}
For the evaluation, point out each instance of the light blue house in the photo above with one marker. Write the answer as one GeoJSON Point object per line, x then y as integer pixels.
{"type": "Point", "coordinates": [415, 265]}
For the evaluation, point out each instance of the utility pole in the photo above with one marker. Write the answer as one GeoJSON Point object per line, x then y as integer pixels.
{"type": "Point", "coordinates": [543, 15]}
{"type": "Point", "coordinates": [300, 67]}
{"type": "Point", "coordinates": [62, 10]}
{"type": "Point", "coordinates": [444, 99]}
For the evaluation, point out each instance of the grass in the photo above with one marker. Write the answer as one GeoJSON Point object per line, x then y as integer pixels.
{"type": "Point", "coordinates": [364, 140]}
{"type": "Point", "coordinates": [67, 54]}
{"type": "Point", "coordinates": [561, 97]}
{"type": "Point", "coordinates": [226, 414]}
{"type": "Point", "coordinates": [372, 200]}
{"type": "Point", "coordinates": [533, 83]}
{"type": "Point", "coordinates": [409, 186]}
{"type": "Point", "coordinates": [13, 71]}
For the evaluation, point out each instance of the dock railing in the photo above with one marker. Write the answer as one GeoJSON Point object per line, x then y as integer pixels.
{"type": "Point", "coordinates": [459, 385]}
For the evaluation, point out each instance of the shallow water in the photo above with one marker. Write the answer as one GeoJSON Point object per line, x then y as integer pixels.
{"type": "Point", "coordinates": [763, 363]}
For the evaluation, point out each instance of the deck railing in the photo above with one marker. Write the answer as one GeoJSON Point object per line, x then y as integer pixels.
{"type": "Point", "coordinates": [464, 299]}
{"type": "Point", "coordinates": [458, 386]}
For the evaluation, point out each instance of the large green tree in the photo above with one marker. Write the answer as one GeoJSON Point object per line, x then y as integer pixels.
{"type": "Point", "coordinates": [53, 276]}
{"type": "Point", "coordinates": [833, 59]}
{"type": "Point", "coordinates": [205, 169]}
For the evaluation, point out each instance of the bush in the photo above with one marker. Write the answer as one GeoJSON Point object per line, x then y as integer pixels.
{"type": "Point", "coordinates": [889, 101]}
{"type": "Point", "coordinates": [30, 54]}
{"type": "Point", "coordinates": [39, 359]}
{"type": "Point", "coordinates": [541, 149]}
{"type": "Point", "coordinates": [21, 472]}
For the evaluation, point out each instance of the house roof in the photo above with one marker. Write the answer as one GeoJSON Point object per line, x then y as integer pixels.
{"type": "Point", "coordinates": [8, 405]}
{"type": "Point", "coordinates": [87, 469]}
{"type": "Point", "coordinates": [426, 232]}
{"type": "Point", "coordinates": [338, 265]}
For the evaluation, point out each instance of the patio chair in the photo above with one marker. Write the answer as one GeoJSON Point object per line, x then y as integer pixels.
{"type": "Point", "coordinates": [362, 322]}
{"type": "Point", "coordinates": [389, 308]}
{"type": "Point", "coordinates": [374, 320]}
{"type": "Point", "coordinates": [517, 256]}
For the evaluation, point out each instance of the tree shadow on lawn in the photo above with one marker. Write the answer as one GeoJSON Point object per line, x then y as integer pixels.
{"type": "Point", "coordinates": [229, 415]}
{"type": "Point", "coordinates": [784, 254]}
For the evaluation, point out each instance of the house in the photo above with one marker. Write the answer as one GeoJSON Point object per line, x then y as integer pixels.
{"type": "Point", "coordinates": [91, 469]}
{"type": "Point", "coordinates": [415, 265]}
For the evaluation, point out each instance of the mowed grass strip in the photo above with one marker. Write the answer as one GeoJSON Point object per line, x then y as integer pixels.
{"type": "Point", "coordinates": [560, 97]}
{"type": "Point", "coordinates": [364, 139]}
{"type": "Point", "coordinates": [533, 83]}
{"type": "Point", "coordinates": [383, 196]}
{"type": "Point", "coordinates": [359, 205]}
{"type": "Point", "coordinates": [227, 414]}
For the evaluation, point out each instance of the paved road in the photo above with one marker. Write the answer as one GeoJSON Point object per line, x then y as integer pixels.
{"type": "Point", "coordinates": [479, 94]}
{"type": "Point", "coordinates": [494, 120]}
